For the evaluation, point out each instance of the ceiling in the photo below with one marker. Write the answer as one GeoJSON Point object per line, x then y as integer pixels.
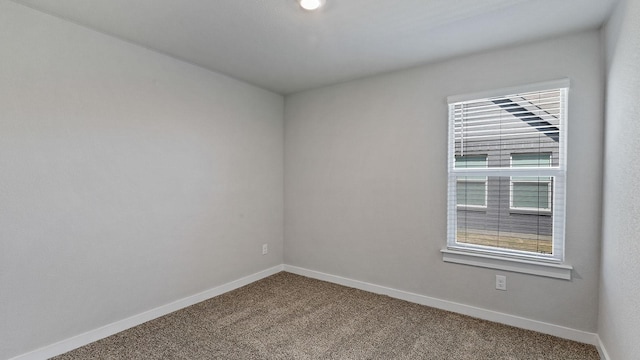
{"type": "Point", "coordinates": [276, 45]}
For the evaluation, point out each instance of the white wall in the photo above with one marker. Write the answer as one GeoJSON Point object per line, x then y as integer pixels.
{"type": "Point", "coordinates": [366, 181]}
{"type": "Point", "coordinates": [128, 179]}
{"type": "Point", "coordinates": [619, 320]}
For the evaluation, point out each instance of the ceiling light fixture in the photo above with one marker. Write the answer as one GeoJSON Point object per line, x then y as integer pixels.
{"type": "Point", "coordinates": [311, 4]}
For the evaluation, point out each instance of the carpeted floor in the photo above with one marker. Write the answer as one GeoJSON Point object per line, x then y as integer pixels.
{"type": "Point", "coordinates": [287, 316]}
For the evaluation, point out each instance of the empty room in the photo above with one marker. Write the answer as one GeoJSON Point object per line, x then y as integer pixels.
{"type": "Point", "coordinates": [319, 179]}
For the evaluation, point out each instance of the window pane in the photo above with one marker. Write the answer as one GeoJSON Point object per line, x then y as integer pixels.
{"type": "Point", "coordinates": [498, 227]}
{"type": "Point", "coordinates": [471, 161]}
{"type": "Point", "coordinates": [527, 122]}
{"type": "Point", "coordinates": [471, 192]}
{"type": "Point", "coordinates": [531, 195]}
{"type": "Point", "coordinates": [531, 160]}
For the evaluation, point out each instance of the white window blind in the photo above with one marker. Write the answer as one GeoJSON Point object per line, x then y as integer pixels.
{"type": "Point", "coordinates": [521, 136]}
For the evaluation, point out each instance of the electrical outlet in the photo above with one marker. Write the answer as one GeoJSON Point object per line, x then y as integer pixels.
{"type": "Point", "coordinates": [501, 282]}
{"type": "Point", "coordinates": [265, 249]}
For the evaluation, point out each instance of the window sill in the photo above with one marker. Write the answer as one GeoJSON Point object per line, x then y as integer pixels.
{"type": "Point", "coordinates": [552, 270]}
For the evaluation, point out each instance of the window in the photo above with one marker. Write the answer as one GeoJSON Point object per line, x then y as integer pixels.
{"type": "Point", "coordinates": [507, 161]}
{"type": "Point", "coordinates": [471, 191]}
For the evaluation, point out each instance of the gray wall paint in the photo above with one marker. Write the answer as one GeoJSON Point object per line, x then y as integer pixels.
{"type": "Point", "coordinates": [128, 179]}
{"type": "Point", "coordinates": [619, 321]}
{"type": "Point", "coordinates": [366, 181]}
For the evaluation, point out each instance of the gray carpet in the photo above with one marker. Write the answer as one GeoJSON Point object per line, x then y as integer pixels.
{"type": "Point", "coordinates": [287, 316]}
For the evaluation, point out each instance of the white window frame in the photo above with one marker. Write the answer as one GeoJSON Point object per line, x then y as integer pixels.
{"type": "Point", "coordinates": [551, 265]}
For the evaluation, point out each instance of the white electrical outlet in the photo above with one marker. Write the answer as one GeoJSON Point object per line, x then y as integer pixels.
{"type": "Point", "coordinates": [501, 282]}
{"type": "Point", "coordinates": [265, 249]}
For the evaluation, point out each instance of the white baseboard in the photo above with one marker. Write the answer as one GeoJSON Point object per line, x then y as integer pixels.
{"type": "Point", "coordinates": [604, 355]}
{"type": "Point", "coordinates": [118, 326]}
{"type": "Point", "coordinates": [512, 320]}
